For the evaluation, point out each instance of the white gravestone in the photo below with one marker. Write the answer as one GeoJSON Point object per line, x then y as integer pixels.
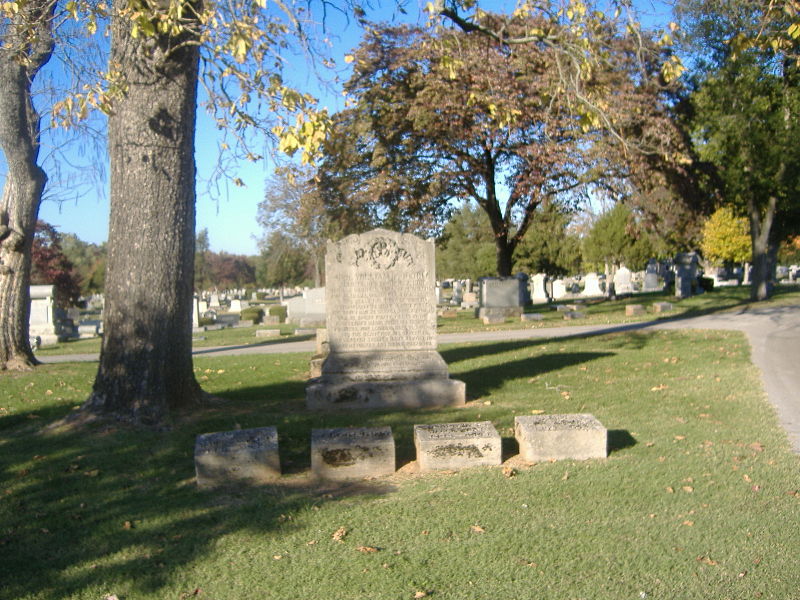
{"type": "Point", "coordinates": [623, 283]}
{"type": "Point", "coordinates": [538, 289]}
{"type": "Point", "coordinates": [381, 321]}
{"type": "Point", "coordinates": [559, 289]}
{"type": "Point", "coordinates": [591, 289]}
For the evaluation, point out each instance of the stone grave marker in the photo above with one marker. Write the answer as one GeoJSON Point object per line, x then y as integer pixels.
{"type": "Point", "coordinates": [532, 317]}
{"type": "Point", "coordinates": [634, 310]}
{"type": "Point", "coordinates": [557, 437]}
{"type": "Point", "coordinates": [382, 327]}
{"type": "Point", "coordinates": [591, 288]}
{"type": "Point", "coordinates": [559, 289]}
{"type": "Point", "coordinates": [500, 297]}
{"type": "Point", "coordinates": [660, 307]}
{"type": "Point", "coordinates": [456, 446]}
{"type": "Point", "coordinates": [538, 291]}
{"type": "Point", "coordinates": [352, 452]}
{"type": "Point", "coordinates": [651, 278]}
{"type": "Point", "coordinates": [261, 333]}
{"type": "Point", "coordinates": [242, 456]}
{"type": "Point", "coordinates": [623, 283]}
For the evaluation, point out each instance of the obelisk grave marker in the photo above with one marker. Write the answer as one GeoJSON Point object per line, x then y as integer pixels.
{"type": "Point", "coordinates": [381, 317]}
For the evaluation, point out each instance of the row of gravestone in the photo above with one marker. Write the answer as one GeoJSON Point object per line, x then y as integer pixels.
{"type": "Point", "coordinates": [252, 456]}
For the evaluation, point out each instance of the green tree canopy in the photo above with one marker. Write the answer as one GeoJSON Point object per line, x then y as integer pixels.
{"type": "Point", "coordinates": [616, 239]}
{"type": "Point", "coordinates": [465, 116]}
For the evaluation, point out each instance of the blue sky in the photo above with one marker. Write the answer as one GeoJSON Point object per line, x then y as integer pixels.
{"type": "Point", "coordinates": [231, 217]}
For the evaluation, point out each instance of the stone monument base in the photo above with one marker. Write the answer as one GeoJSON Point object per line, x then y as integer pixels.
{"type": "Point", "coordinates": [513, 312]}
{"type": "Point", "coordinates": [401, 393]}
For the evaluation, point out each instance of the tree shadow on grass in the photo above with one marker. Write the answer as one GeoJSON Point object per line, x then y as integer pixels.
{"type": "Point", "coordinates": [118, 507]}
{"type": "Point", "coordinates": [482, 381]}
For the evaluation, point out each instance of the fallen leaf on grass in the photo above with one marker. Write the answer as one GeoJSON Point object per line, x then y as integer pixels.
{"type": "Point", "coordinates": [127, 525]}
{"type": "Point", "coordinates": [477, 529]}
{"type": "Point", "coordinates": [110, 597]}
{"type": "Point", "coordinates": [509, 472]}
{"type": "Point", "coordinates": [746, 477]}
{"type": "Point", "coordinates": [795, 493]}
{"type": "Point", "coordinates": [689, 523]}
{"type": "Point", "coordinates": [757, 446]}
{"type": "Point", "coordinates": [658, 388]}
{"type": "Point", "coordinates": [420, 594]}
{"type": "Point", "coordinates": [367, 549]}
{"type": "Point", "coordinates": [339, 534]}
{"type": "Point", "coordinates": [537, 411]}
{"type": "Point", "coordinates": [706, 561]}
{"type": "Point", "coordinates": [756, 488]}
{"type": "Point", "coordinates": [688, 489]}
{"type": "Point", "coordinates": [670, 490]}
{"type": "Point", "coordinates": [311, 543]}
{"type": "Point", "coordinates": [277, 557]}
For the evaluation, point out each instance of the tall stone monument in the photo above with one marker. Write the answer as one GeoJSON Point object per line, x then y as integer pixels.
{"type": "Point", "coordinates": [381, 317]}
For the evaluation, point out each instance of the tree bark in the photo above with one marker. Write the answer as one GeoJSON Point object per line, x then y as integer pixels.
{"type": "Point", "coordinates": [27, 46]}
{"type": "Point", "coordinates": [145, 371]}
{"type": "Point", "coordinates": [760, 230]}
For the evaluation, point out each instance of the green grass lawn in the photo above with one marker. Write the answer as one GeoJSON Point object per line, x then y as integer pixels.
{"type": "Point", "coordinates": [698, 498]}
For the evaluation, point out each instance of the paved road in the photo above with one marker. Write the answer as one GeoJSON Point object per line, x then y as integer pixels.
{"type": "Point", "coordinates": [773, 333]}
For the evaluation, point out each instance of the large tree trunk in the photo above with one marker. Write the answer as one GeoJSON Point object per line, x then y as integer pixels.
{"type": "Point", "coordinates": [760, 230]}
{"type": "Point", "coordinates": [145, 370]}
{"type": "Point", "coordinates": [21, 57]}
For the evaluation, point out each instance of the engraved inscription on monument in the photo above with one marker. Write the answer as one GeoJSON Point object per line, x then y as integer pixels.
{"type": "Point", "coordinates": [381, 309]}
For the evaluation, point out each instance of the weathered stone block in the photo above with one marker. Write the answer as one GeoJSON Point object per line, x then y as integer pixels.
{"type": "Point", "coordinates": [573, 314]}
{"type": "Point", "coordinates": [421, 393]}
{"type": "Point", "coordinates": [634, 310]}
{"type": "Point", "coordinates": [507, 312]}
{"type": "Point", "coordinates": [268, 332]}
{"type": "Point", "coordinates": [556, 437]}
{"type": "Point", "coordinates": [303, 331]}
{"type": "Point", "coordinates": [532, 317]}
{"type": "Point", "coordinates": [456, 445]}
{"type": "Point", "coordinates": [493, 319]}
{"type": "Point", "coordinates": [242, 456]}
{"type": "Point", "coordinates": [352, 452]}
{"type": "Point", "coordinates": [660, 307]}
{"type": "Point", "coordinates": [449, 314]}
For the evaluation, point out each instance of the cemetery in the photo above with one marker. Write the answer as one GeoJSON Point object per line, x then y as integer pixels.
{"type": "Point", "coordinates": [383, 448]}
{"type": "Point", "coordinates": [518, 316]}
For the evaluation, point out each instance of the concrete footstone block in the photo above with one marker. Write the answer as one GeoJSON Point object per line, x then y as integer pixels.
{"type": "Point", "coordinates": [454, 446]}
{"type": "Point", "coordinates": [352, 452]}
{"type": "Point", "coordinates": [241, 456]}
{"type": "Point", "coordinates": [557, 437]}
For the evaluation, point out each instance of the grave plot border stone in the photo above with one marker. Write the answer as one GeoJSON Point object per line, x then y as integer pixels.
{"type": "Point", "coordinates": [454, 446]}
{"type": "Point", "coordinates": [242, 456]}
{"type": "Point", "coordinates": [347, 453]}
{"type": "Point", "coordinates": [559, 437]}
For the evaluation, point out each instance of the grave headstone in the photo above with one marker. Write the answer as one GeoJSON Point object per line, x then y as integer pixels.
{"type": "Point", "coordinates": [42, 321]}
{"type": "Point", "coordinates": [651, 277]}
{"type": "Point", "coordinates": [500, 297]}
{"type": "Point", "coordinates": [382, 327]}
{"type": "Point", "coordinates": [591, 288]}
{"type": "Point", "coordinates": [659, 307]}
{"type": "Point", "coordinates": [241, 456]}
{"type": "Point", "coordinates": [686, 264]}
{"type": "Point", "coordinates": [623, 283]}
{"type": "Point", "coordinates": [309, 307]}
{"type": "Point", "coordinates": [557, 437]}
{"type": "Point", "coordinates": [195, 312]}
{"type": "Point", "coordinates": [538, 292]}
{"type": "Point", "coordinates": [559, 289]}
{"type": "Point", "coordinates": [265, 333]}
{"type": "Point", "coordinates": [456, 446]}
{"type": "Point", "coordinates": [352, 452]}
